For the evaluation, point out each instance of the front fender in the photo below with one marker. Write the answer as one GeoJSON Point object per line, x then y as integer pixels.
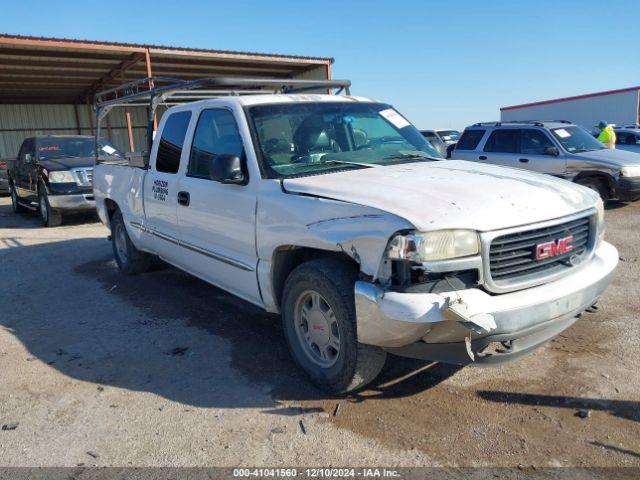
{"type": "Point", "coordinates": [358, 231]}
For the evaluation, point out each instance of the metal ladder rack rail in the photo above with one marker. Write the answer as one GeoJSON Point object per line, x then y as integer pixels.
{"type": "Point", "coordinates": [150, 92]}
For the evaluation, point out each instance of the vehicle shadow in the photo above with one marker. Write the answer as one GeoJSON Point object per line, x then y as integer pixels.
{"type": "Point", "coordinates": [615, 204]}
{"type": "Point", "coordinates": [166, 332]}
{"type": "Point", "coordinates": [31, 219]}
{"type": "Point", "coordinates": [629, 410]}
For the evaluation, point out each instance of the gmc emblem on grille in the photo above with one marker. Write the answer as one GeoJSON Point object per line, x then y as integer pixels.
{"type": "Point", "coordinates": [551, 249]}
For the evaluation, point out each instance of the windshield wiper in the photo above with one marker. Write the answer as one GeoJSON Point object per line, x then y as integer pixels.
{"type": "Point", "coordinates": [344, 162]}
{"type": "Point", "coordinates": [402, 156]}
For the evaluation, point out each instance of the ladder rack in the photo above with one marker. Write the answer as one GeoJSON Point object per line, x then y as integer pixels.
{"type": "Point", "coordinates": [150, 92]}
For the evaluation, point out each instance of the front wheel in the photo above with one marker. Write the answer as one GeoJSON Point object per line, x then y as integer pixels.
{"type": "Point", "coordinates": [318, 313]}
{"type": "Point", "coordinates": [15, 201]}
{"type": "Point", "coordinates": [596, 185]}
{"type": "Point", "coordinates": [50, 218]}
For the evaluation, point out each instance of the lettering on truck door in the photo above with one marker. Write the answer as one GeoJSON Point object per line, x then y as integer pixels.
{"type": "Point", "coordinates": [161, 187]}
{"type": "Point", "coordinates": [218, 224]}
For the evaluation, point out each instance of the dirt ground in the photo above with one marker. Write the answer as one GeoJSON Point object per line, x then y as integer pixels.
{"type": "Point", "coordinates": [163, 369]}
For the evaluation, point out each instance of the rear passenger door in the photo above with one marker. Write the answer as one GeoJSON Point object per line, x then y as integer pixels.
{"type": "Point", "coordinates": [161, 186]}
{"type": "Point", "coordinates": [534, 153]}
{"type": "Point", "coordinates": [217, 221]}
{"type": "Point", "coordinates": [501, 148]}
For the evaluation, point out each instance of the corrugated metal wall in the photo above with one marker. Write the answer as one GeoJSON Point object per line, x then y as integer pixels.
{"type": "Point", "coordinates": [617, 108]}
{"type": "Point", "coordinates": [18, 122]}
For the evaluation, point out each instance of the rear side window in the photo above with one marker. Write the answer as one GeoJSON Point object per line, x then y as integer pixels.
{"type": "Point", "coordinates": [503, 141]}
{"type": "Point", "coordinates": [171, 142]}
{"type": "Point", "coordinates": [470, 139]}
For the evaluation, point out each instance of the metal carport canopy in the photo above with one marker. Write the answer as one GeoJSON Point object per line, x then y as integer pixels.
{"type": "Point", "coordinates": [40, 70]}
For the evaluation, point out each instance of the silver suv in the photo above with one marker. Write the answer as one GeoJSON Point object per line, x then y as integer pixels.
{"type": "Point", "coordinates": [558, 148]}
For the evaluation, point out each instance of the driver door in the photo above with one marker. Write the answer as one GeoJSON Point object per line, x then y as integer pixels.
{"type": "Point", "coordinates": [534, 154]}
{"type": "Point", "coordinates": [217, 221]}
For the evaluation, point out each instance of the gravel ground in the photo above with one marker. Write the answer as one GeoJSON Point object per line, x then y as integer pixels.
{"type": "Point", "coordinates": [165, 370]}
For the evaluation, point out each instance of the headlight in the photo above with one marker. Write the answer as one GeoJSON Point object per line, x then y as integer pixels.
{"type": "Point", "coordinates": [62, 177]}
{"type": "Point", "coordinates": [630, 171]}
{"type": "Point", "coordinates": [433, 246]}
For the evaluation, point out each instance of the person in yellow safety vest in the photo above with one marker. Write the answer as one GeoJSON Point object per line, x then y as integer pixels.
{"type": "Point", "coordinates": [607, 134]}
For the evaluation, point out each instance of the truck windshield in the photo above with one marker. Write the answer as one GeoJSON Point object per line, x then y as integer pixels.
{"type": "Point", "coordinates": [65, 147]}
{"type": "Point", "coordinates": [576, 139]}
{"type": "Point", "coordinates": [311, 138]}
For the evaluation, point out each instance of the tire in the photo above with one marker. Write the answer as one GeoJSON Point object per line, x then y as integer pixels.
{"type": "Point", "coordinates": [130, 260]}
{"type": "Point", "coordinates": [49, 217]}
{"type": "Point", "coordinates": [596, 185]}
{"type": "Point", "coordinates": [350, 366]}
{"type": "Point", "coordinates": [15, 201]}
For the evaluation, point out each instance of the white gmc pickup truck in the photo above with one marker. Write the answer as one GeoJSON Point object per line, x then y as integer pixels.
{"type": "Point", "coordinates": [335, 212]}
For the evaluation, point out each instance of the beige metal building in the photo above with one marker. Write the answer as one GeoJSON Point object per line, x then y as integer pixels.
{"type": "Point", "coordinates": [47, 84]}
{"type": "Point", "coordinates": [619, 107]}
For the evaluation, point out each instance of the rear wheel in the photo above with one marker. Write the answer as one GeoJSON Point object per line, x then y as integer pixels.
{"type": "Point", "coordinates": [319, 320]}
{"type": "Point", "coordinates": [130, 260]}
{"type": "Point", "coordinates": [15, 201]}
{"type": "Point", "coordinates": [50, 218]}
{"type": "Point", "coordinates": [597, 185]}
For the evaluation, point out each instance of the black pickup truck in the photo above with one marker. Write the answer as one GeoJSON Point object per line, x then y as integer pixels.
{"type": "Point", "coordinates": [54, 174]}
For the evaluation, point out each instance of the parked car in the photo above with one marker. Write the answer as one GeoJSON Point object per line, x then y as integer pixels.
{"type": "Point", "coordinates": [628, 139]}
{"type": "Point", "coordinates": [363, 247]}
{"type": "Point", "coordinates": [4, 179]}
{"type": "Point", "coordinates": [53, 174]}
{"type": "Point", "coordinates": [449, 137]}
{"type": "Point", "coordinates": [558, 148]}
{"type": "Point", "coordinates": [434, 139]}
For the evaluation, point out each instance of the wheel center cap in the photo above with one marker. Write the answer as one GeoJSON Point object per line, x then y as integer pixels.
{"type": "Point", "coordinates": [318, 328]}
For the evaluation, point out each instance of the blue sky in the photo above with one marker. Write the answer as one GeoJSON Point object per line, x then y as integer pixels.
{"type": "Point", "coordinates": [443, 64]}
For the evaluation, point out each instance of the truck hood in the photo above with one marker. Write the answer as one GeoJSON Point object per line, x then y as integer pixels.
{"type": "Point", "coordinates": [615, 158]}
{"type": "Point", "coordinates": [452, 194]}
{"type": "Point", "coordinates": [67, 163]}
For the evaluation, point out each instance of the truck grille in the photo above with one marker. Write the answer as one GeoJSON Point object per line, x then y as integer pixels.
{"type": "Point", "coordinates": [512, 257]}
{"type": "Point", "coordinates": [84, 176]}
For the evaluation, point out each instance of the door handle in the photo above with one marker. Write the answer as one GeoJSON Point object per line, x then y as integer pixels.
{"type": "Point", "coordinates": [482, 157]}
{"type": "Point", "coordinates": [524, 160]}
{"type": "Point", "coordinates": [184, 198]}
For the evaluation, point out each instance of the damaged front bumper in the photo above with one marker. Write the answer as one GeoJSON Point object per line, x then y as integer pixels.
{"type": "Point", "coordinates": [472, 326]}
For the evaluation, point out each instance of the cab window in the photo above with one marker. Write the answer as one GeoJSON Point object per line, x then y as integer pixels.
{"type": "Point", "coordinates": [171, 142]}
{"type": "Point", "coordinates": [27, 147]}
{"type": "Point", "coordinates": [216, 133]}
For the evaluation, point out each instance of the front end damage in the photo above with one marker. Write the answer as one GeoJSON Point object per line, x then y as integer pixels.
{"type": "Point", "coordinates": [472, 325]}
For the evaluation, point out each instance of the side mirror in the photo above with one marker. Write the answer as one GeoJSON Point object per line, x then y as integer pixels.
{"type": "Point", "coordinates": [552, 151]}
{"type": "Point", "coordinates": [28, 158]}
{"type": "Point", "coordinates": [226, 168]}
